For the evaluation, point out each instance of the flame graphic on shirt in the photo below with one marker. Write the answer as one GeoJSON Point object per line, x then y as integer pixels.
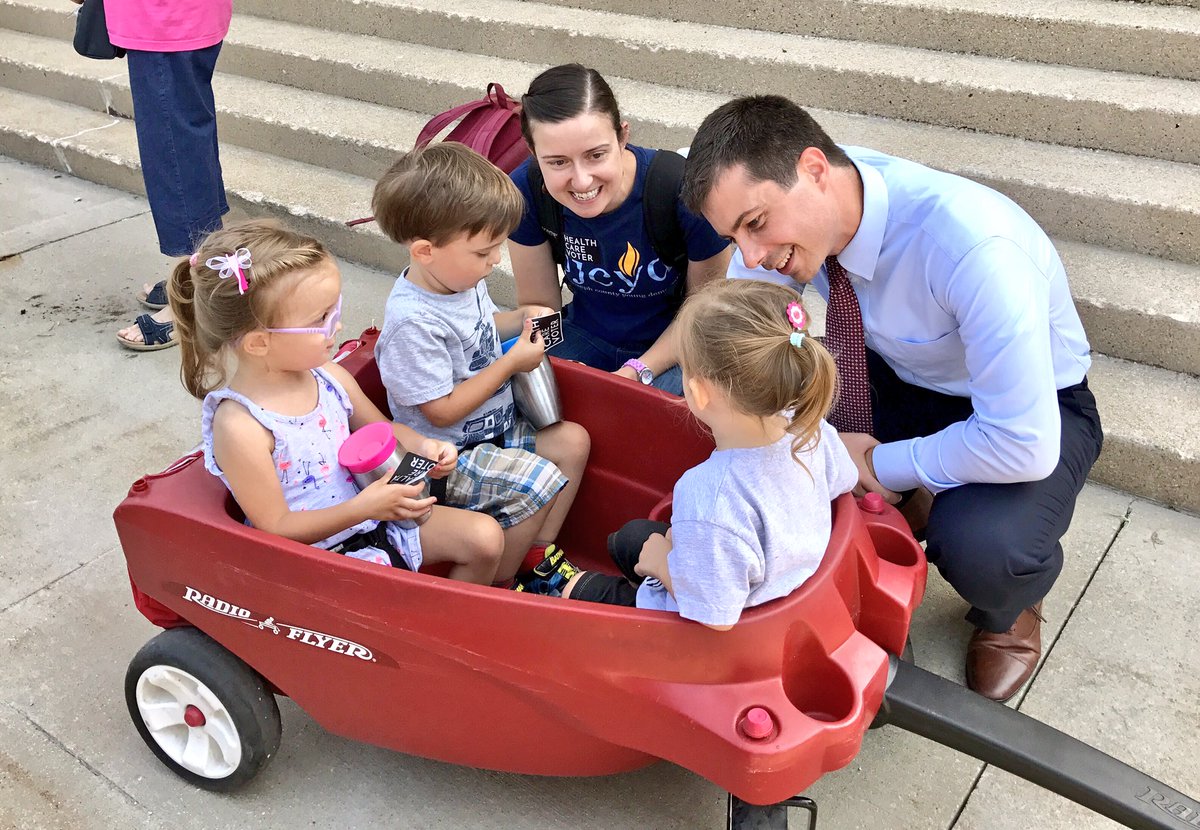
{"type": "Point", "coordinates": [628, 262]}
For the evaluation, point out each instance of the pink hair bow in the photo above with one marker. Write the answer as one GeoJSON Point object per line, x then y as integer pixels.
{"type": "Point", "coordinates": [234, 265]}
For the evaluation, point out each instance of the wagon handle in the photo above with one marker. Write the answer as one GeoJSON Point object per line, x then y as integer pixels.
{"type": "Point", "coordinates": [943, 711]}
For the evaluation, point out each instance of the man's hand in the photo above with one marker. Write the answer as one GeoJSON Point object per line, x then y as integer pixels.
{"type": "Point", "coordinates": [860, 446]}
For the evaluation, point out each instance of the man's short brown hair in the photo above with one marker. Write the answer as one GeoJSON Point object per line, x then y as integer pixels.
{"type": "Point", "coordinates": [444, 191]}
{"type": "Point", "coordinates": [764, 133]}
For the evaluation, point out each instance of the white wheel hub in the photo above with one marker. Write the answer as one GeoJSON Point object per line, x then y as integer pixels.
{"type": "Point", "coordinates": [213, 749]}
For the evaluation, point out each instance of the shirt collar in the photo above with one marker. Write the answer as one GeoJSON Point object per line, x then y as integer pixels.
{"type": "Point", "coordinates": [862, 253]}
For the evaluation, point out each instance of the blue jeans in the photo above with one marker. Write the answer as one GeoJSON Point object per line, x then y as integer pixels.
{"type": "Point", "coordinates": [580, 344]}
{"type": "Point", "coordinates": [176, 122]}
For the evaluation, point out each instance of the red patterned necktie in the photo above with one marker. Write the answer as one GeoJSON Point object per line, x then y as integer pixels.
{"type": "Point", "coordinates": [844, 339]}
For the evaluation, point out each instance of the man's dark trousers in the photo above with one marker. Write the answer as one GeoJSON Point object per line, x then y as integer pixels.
{"type": "Point", "coordinates": [996, 544]}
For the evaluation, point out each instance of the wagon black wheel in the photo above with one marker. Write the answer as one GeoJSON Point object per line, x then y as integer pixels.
{"type": "Point", "coordinates": [744, 816]}
{"type": "Point", "coordinates": [206, 715]}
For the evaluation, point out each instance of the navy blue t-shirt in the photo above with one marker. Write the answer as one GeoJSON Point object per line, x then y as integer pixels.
{"type": "Point", "coordinates": [621, 291]}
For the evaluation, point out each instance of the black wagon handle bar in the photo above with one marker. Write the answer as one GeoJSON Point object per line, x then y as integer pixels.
{"type": "Point", "coordinates": [925, 704]}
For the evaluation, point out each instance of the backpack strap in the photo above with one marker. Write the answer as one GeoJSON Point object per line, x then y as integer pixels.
{"type": "Point", "coordinates": [548, 213]}
{"type": "Point", "coordinates": [660, 206]}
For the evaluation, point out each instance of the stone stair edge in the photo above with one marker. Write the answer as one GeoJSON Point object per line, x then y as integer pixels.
{"type": "Point", "coordinates": [1146, 408]}
{"type": "Point", "coordinates": [1123, 202]}
{"type": "Point", "coordinates": [1105, 110]}
{"type": "Point", "coordinates": [1079, 115]}
{"type": "Point", "coordinates": [1096, 34]}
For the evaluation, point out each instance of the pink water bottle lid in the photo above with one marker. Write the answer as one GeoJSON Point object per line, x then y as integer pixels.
{"type": "Point", "coordinates": [367, 448]}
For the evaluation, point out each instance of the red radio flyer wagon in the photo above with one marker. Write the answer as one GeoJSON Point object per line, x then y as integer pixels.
{"type": "Point", "coordinates": [762, 710]}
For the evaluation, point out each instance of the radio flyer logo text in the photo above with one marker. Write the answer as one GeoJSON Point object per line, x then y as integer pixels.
{"type": "Point", "coordinates": [328, 642]}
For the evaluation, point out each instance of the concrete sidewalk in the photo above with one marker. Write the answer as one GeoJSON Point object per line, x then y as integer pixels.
{"type": "Point", "coordinates": [84, 418]}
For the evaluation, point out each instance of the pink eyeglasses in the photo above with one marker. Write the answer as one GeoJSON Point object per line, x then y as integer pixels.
{"type": "Point", "coordinates": [328, 330]}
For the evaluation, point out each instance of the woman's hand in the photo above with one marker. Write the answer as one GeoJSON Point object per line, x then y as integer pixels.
{"type": "Point", "coordinates": [393, 502]}
{"type": "Point", "coordinates": [528, 312]}
{"type": "Point", "coordinates": [445, 453]}
{"type": "Point", "coordinates": [628, 373]}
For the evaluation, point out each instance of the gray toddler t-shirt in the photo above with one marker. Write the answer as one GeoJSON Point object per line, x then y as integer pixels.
{"type": "Point", "coordinates": [430, 343]}
{"type": "Point", "coordinates": [749, 526]}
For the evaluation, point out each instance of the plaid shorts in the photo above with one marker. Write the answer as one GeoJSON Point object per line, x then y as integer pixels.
{"type": "Point", "coordinates": [504, 478]}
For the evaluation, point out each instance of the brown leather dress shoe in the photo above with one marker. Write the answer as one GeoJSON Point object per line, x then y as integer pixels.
{"type": "Point", "coordinates": [999, 664]}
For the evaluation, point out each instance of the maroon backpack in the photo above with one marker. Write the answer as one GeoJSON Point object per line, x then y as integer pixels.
{"type": "Point", "coordinates": [490, 126]}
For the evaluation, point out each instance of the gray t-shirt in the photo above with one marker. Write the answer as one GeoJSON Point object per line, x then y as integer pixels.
{"type": "Point", "coordinates": [749, 526]}
{"type": "Point", "coordinates": [430, 343]}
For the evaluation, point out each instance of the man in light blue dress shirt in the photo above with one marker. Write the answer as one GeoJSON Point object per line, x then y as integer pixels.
{"type": "Point", "coordinates": [976, 356]}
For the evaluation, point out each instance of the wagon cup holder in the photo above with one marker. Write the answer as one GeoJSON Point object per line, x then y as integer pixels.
{"type": "Point", "coordinates": [816, 686]}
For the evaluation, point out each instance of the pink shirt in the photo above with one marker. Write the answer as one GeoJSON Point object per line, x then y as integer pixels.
{"type": "Point", "coordinates": [167, 25]}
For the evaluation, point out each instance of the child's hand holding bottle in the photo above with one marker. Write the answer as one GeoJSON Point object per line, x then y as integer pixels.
{"type": "Point", "coordinates": [525, 355]}
{"type": "Point", "coordinates": [393, 502]}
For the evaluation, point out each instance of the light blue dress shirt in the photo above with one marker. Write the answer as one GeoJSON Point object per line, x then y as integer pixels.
{"type": "Point", "coordinates": [961, 292]}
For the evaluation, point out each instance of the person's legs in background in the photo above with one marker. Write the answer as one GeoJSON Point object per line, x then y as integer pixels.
{"type": "Point", "coordinates": [176, 122]}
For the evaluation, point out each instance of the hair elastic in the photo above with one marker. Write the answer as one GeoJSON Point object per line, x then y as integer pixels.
{"type": "Point", "coordinates": [797, 339]}
{"type": "Point", "coordinates": [192, 260]}
{"type": "Point", "coordinates": [233, 265]}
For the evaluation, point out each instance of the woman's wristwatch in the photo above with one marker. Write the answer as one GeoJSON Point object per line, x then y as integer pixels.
{"type": "Point", "coordinates": [643, 371]}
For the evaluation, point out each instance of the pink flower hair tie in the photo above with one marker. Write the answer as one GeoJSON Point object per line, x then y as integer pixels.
{"type": "Point", "coordinates": [797, 317]}
{"type": "Point", "coordinates": [192, 260]}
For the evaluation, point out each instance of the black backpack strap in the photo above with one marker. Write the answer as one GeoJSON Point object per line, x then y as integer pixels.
{"type": "Point", "coordinates": [660, 205]}
{"type": "Point", "coordinates": [547, 212]}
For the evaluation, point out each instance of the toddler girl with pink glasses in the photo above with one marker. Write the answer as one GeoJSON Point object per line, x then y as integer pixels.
{"type": "Point", "coordinates": [271, 299]}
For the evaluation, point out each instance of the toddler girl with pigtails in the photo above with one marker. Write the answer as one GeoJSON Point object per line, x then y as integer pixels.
{"type": "Point", "coordinates": [271, 300]}
{"type": "Point", "coordinates": [752, 522]}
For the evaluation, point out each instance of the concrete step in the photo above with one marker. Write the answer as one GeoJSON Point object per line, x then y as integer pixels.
{"type": "Point", "coordinates": [103, 148]}
{"type": "Point", "coordinates": [1151, 431]}
{"type": "Point", "coordinates": [1136, 307]}
{"type": "Point", "coordinates": [1158, 324]}
{"type": "Point", "coordinates": [1152, 416]}
{"type": "Point", "coordinates": [1123, 112]}
{"type": "Point", "coordinates": [328, 131]}
{"type": "Point", "coordinates": [1097, 34]}
{"type": "Point", "coordinates": [1144, 205]}
{"type": "Point", "coordinates": [1087, 195]}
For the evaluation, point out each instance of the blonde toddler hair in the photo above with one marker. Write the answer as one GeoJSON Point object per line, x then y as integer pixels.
{"type": "Point", "coordinates": [737, 335]}
{"type": "Point", "coordinates": [210, 311]}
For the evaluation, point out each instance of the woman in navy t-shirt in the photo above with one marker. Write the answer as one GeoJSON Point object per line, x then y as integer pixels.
{"type": "Point", "coordinates": [624, 297]}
